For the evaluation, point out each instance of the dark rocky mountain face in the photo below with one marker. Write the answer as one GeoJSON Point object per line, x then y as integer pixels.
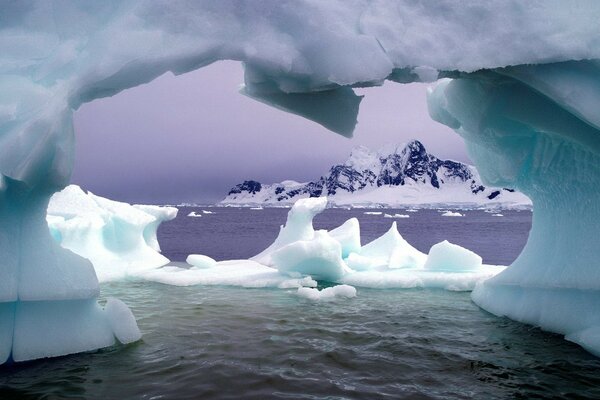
{"type": "Point", "coordinates": [411, 164]}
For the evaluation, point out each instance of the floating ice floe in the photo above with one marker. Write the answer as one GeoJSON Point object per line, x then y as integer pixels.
{"type": "Point", "coordinates": [118, 238]}
{"type": "Point", "coordinates": [194, 214]}
{"type": "Point", "coordinates": [372, 213]}
{"type": "Point", "coordinates": [396, 216]}
{"type": "Point", "coordinates": [299, 255]}
{"type": "Point", "coordinates": [330, 293]}
{"type": "Point", "coordinates": [256, 208]}
{"type": "Point", "coordinates": [452, 214]}
{"type": "Point", "coordinates": [497, 215]}
{"type": "Point", "coordinates": [207, 212]}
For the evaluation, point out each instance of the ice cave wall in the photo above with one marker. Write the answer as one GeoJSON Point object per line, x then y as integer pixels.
{"type": "Point", "coordinates": [305, 57]}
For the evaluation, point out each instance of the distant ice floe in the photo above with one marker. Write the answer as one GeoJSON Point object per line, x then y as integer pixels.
{"type": "Point", "coordinates": [396, 216]}
{"type": "Point", "coordinates": [118, 238]}
{"type": "Point", "coordinates": [194, 214]}
{"type": "Point", "coordinates": [372, 213]}
{"type": "Point", "coordinates": [452, 214]}
{"type": "Point", "coordinates": [300, 255]}
{"type": "Point", "coordinates": [207, 212]}
{"type": "Point", "coordinates": [497, 215]}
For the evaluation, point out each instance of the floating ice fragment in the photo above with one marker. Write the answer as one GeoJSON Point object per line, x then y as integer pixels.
{"type": "Point", "coordinates": [122, 321]}
{"type": "Point", "coordinates": [207, 212]}
{"type": "Point", "coordinates": [497, 215]}
{"type": "Point", "coordinates": [194, 214]}
{"type": "Point", "coordinates": [372, 213]}
{"type": "Point", "coordinates": [345, 291]}
{"type": "Point", "coordinates": [452, 214]}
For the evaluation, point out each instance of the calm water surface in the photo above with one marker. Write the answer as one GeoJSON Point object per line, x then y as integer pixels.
{"type": "Point", "coordinates": [222, 342]}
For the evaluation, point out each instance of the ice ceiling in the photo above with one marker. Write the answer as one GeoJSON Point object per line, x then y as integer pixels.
{"type": "Point", "coordinates": [525, 96]}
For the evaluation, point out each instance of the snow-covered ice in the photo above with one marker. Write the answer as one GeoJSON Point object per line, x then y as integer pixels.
{"type": "Point", "coordinates": [396, 216]}
{"type": "Point", "coordinates": [194, 214]}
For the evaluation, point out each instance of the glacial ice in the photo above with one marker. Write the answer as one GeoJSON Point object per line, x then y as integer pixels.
{"type": "Point", "coordinates": [118, 238]}
{"type": "Point", "coordinates": [524, 96]}
{"type": "Point", "coordinates": [194, 214]}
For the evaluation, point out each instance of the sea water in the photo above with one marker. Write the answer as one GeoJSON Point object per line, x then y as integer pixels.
{"type": "Point", "coordinates": [223, 342]}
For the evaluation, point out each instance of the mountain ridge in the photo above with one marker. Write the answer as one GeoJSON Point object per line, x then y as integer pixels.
{"type": "Point", "coordinates": [395, 175]}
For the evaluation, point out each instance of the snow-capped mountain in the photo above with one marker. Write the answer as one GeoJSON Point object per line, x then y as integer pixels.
{"type": "Point", "coordinates": [393, 176]}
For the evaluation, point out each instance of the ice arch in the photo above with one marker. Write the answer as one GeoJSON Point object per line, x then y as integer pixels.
{"type": "Point", "coordinates": [533, 127]}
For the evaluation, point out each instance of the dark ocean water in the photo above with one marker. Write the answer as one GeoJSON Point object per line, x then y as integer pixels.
{"type": "Point", "coordinates": [222, 342]}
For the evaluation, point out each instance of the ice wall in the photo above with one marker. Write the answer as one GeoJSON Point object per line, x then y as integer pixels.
{"type": "Point", "coordinates": [305, 57]}
{"type": "Point", "coordinates": [535, 129]}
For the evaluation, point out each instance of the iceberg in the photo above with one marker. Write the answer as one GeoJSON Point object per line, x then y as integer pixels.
{"type": "Point", "coordinates": [118, 238]}
{"type": "Point", "coordinates": [300, 255]}
{"type": "Point", "coordinates": [524, 95]}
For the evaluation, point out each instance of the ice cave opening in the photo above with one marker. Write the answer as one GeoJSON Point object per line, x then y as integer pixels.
{"type": "Point", "coordinates": [523, 92]}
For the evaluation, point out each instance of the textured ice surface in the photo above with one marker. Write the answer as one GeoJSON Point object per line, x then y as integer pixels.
{"type": "Point", "coordinates": [319, 257]}
{"type": "Point", "coordinates": [330, 293]}
{"type": "Point", "coordinates": [525, 105]}
{"type": "Point", "coordinates": [118, 238]}
{"type": "Point", "coordinates": [122, 321]}
{"type": "Point", "coordinates": [531, 128]}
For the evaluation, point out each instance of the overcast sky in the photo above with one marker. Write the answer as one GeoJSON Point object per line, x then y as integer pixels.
{"type": "Point", "coordinates": [190, 138]}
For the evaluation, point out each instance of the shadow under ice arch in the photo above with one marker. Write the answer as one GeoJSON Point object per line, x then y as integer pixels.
{"type": "Point", "coordinates": [526, 108]}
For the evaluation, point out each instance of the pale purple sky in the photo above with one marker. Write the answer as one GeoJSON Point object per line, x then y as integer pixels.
{"type": "Point", "coordinates": [190, 138]}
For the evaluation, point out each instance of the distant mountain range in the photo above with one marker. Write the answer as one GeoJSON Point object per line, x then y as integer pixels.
{"type": "Point", "coordinates": [393, 176]}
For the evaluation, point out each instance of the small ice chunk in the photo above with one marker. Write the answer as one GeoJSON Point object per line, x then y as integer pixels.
{"type": "Point", "coordinates": [194, 214]}
{"type": "Point", "coordinates": [452, 214]}
{"type": "Point", "coordinates": [122, 321]}
{"type": "Point", "coordinates": [200, 261]}
{"type": "Point", "coordinates": [345, 291]}
{"type": "Point", "coordinates": [445, 256]}
{"type": "Point", "coordinates": [319, 257]}
{"type": "Point", "coordinates": [497, 215]}
{"type": "Point", "coordinates": [372, 213]}
{"type": "Point", "coordinates": [348, 236]}
{"type": "Point", "coordinates": [256, 208]}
